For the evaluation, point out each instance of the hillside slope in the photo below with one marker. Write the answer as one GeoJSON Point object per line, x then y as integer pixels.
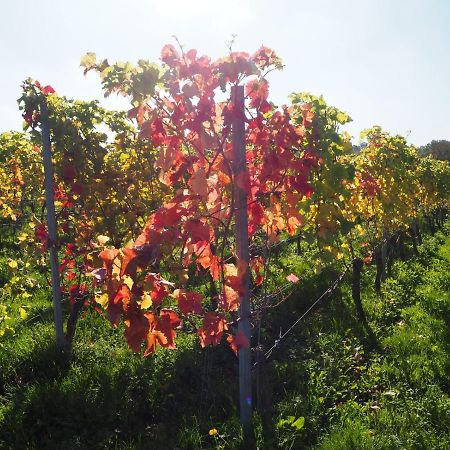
{"type": "Point", "coordinates": [334, 383]}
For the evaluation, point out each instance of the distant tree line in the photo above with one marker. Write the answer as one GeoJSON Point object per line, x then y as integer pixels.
{"type": "Point", "coordinates": [437, 149]}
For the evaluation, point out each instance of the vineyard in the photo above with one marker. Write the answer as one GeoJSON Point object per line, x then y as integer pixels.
{"type": "Point", "coordinates": [211, 270]}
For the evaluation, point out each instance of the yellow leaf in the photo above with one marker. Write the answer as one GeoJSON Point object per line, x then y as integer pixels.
{"type": "Point", "coordinates": [146, 301]}
{"type": "Point", "coordinates": [230, 270]}
{"type": "Point", "coordinates": [12, 263]}
{"type": "Point", "coordinates": [128, 281]}
{"type": "Point", "coordinates": [102, 299]}
{"type": "Point", "coordinates": [23, 313]}
{"type": "Point", "coordinates": [102, 240]}
{"type": "Point", "coordinates": [360, 230]}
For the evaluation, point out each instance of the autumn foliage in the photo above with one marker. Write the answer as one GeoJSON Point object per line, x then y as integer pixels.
{"type": "Point", "coordinates": [187, 115]}
{"type": "Point", "coordinates": [146, 221]}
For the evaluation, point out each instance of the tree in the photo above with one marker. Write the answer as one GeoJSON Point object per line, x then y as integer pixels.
{"type": "Point", "coordinates": [437, 149]}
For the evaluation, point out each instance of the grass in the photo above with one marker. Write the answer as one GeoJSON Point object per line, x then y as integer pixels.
{"type": "Point", "coordinates": [333, 384]}
{"type": "Point", "coordinates": [411, 407]}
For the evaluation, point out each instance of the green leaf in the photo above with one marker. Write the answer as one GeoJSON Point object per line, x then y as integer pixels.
{"type": "Point", "coordinates": [346, 226]}
{"type": "Point", "coordinates": [145, 82]}
{"type": "Point", "coordinates": [286, 421]}
{"type": "Point", "coordinates": [299, 423]}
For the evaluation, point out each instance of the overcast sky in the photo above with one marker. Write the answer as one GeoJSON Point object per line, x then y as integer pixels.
{"type": "Point", "coordinates": [385, 62]}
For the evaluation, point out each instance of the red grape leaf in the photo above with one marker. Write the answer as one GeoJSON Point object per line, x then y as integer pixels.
{"type": "Point", "coordinates": [136, 331]}
{"type": "Point", "coordinates": [108, 256]}
{"type": "Point", "coordinates": [188, 302]}
{"type": "Point", "coordinates": [238, 341]}
{"type": "Point", "coordinates": [199, 184]}
{"type": "Point", "coordinates": [229, 299]}
{"type": "Point", "coordinates": [212, 329]}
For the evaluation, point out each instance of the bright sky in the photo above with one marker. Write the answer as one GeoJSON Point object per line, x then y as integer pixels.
{"type": "Point", "coordinates": [385, 62]}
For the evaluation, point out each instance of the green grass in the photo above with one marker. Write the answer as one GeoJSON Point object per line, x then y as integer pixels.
{"type": "Point", "coordinates": [411, 408]}
{"type": "Point", "coordinates": [381, 386]}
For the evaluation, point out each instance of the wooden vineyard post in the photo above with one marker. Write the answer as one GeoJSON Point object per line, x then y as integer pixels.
{"type": "Point", "coordinates": [384, 254]}
{"type": "Point", "coordinates": [51, 223]}
{"type": "Point", "coordinates": [242, 253]}
{"type": "Point", "coordinates": [357, 266]}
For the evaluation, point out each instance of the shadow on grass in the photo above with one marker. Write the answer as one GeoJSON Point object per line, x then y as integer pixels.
{"type": "Point", "coordinates": [105, 396]}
